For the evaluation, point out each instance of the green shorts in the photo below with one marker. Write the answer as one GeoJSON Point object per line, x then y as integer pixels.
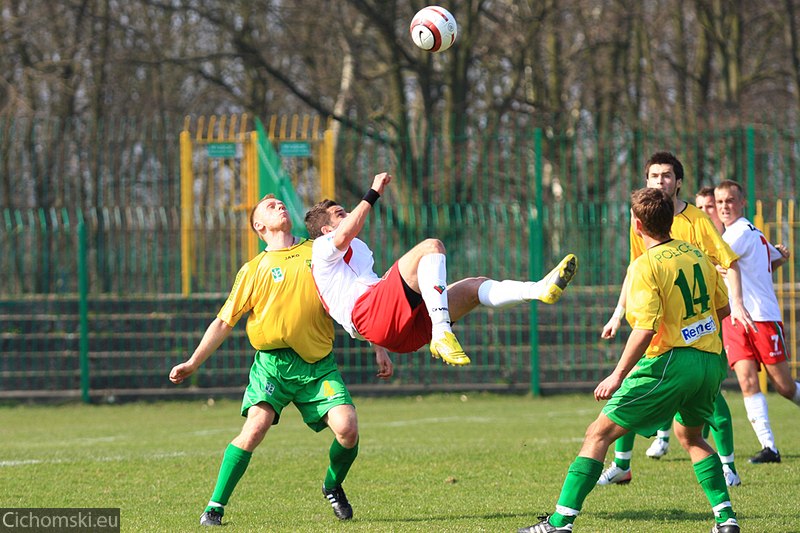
{"type": "Point", "coordinates": [685, 381]}
{"type": "Point", "coordinates": [279, 377]}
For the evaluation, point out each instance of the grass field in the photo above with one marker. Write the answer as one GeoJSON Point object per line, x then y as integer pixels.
{"type": "Point", "coordinates": [431, 463]}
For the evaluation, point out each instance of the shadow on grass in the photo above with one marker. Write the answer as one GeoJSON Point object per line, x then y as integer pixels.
{"type": "Point", "coordinates": [450, 518]}
{"type": "Point", "coordinates": [658, 515]}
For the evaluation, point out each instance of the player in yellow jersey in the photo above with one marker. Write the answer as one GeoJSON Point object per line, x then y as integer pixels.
{"type": "Point", "coordinates": [671, 365]}
{"type": "Point", "coordinates": [293, 338]}
{"type": "Point", "coordinates": [664, 171]}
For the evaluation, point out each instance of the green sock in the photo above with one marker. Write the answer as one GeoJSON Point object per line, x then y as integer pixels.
{"type": "Point", "coordinates": [712, 481]}
{"type": "Point", "coordinates": [341, 460]}
{"type": "Point", "coordinates": [581, 478]}
{"type": "Point", "coordinates": [624, 447]}
{"type": "Point", "coordinates": [234, 463]}
{"type": "Point", "coordinates": [723, 434]}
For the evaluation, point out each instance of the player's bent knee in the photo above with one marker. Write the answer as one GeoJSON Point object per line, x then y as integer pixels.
{"type": "Point", "coordinates": [251, 436]}
{"type": "Point", "coordinates": [433, 246]}
{"type": "Point", "coordinates": [348, 439]}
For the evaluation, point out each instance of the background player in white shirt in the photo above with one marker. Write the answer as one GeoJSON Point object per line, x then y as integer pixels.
{"type": "Point", "coordinates": [747, 350]}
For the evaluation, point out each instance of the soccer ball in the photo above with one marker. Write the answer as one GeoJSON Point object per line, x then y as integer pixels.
{"type": "Point", "coordinates": [433, 29]}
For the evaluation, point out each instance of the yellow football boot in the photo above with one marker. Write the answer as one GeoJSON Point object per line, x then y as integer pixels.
{"type": "Point", "coordinates": [557, 279]}
{"type": "Point", "coordinates": [449, 350]}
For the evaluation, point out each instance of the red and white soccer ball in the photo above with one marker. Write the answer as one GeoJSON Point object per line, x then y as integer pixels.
{"type": "Point", "coordinates": [434, 29]}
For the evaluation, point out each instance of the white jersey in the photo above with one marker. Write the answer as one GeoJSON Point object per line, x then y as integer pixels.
{"type": "Point", "coordinates": [755, 265]}
{"type": "Point", "coordinates": [342, 277]}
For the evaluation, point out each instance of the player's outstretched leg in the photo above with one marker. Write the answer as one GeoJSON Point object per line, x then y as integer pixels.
{"type": "Point", "coordinates": [550, 288]}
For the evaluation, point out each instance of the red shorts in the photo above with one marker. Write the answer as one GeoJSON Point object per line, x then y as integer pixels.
{"type": "Point", "coordinates": [383, 316]}
{"type": "Point", "coordinates": [767, 345]}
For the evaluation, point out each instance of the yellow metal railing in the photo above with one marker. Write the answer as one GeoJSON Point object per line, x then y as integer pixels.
{"type": "Point", "coordinates": [307, 146]}
{"type": "Point", "coordinates": [776, 231]}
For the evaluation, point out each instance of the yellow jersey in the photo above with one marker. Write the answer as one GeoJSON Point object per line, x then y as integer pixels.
{"type": "Point", "coordinates": [675, 291]}
{"type": "Point", "coordinates": [693, 225]}
{"type": "Point", "coordinates": [286, 312]}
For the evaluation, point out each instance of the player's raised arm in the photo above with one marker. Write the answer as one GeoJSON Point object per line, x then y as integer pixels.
{"type": "Point", "coordinates": [353, 223]}
{"type": "Point", "coordinates": [216, 332]}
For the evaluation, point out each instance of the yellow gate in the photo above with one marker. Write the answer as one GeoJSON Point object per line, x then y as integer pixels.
{"type": "Point", "coordinates": [219, 171]}
{"type": "Point", "coordinates": [306, 146]}
{"type": "Point", "coordinates": [227, 165]}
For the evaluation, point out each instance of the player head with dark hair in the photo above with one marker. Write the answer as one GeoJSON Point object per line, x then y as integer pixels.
{"type": "Point", "coordinates": [318, 216]}
{"type": "Point", "coordinates": [664, 171]}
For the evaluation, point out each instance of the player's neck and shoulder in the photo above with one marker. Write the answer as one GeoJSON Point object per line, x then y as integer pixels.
{"type": "Point", "coordinates": [326, 241]}
{"type": "Point", "coordinates": [691, 213]}
{"type": "Point", "coordinates": [299, 247]}
{"type": "Point", "coordinates": [740, 226]}
{"type": "Point", "coordinates": [662, 251]}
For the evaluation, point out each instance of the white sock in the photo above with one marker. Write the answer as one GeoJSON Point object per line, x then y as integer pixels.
{"type": "Point", "coordinates": [756, 407]}
{"type": "Point", "coordinates": [504, 293]}
{"type": "Point", "coordinates": [432, 278]}
{"type": "Point", "coordinates": [663, 434]}
{"type": "Point", "coordinates": [796, 397]}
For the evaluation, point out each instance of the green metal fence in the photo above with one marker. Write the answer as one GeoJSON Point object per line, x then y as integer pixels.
{"type": "Point", "coordinates": [90, 302]}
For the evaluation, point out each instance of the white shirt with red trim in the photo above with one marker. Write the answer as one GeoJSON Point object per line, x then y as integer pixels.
{"type": "Point", "coordinates": [342, 277]}
{"type": "Point", "coordinates": [756, 255]}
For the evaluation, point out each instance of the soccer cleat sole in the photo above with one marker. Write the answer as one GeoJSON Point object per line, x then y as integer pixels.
{"type": "Point", "coordinates": [453, 359]}
{"type": "Point", "coordinates": [559, 278]}
{"type": "Point", "coordinates": [210, 519]}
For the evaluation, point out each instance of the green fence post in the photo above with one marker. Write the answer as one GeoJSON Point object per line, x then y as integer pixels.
{"type": "Point", "coordinates": [83, 287]}
{"type": "Point", "coordinates": [750, 168]}
{"type": "Point", "coordinates": [535, 252]}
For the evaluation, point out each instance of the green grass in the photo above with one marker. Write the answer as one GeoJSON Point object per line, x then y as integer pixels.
{"type": "Point", "coordinates": [431, 463]}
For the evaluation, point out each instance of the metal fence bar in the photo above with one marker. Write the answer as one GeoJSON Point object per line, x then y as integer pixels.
{"type": "Point", "coordinates": [83, 290]}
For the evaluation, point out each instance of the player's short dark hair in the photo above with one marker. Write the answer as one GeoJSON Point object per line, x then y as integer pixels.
{"type": "Point", "coordinates": [730, 185]}
{"type": "Point", "coordinates": [708, 190]}
{"type": "Point", "coordinates": [656, 211]}
{"type": "Point", "coordinates": [665, 158]}
{"type": "Point", "coordinates": [317, 217]}
{"type": "Point", "coordinates": [253, 211]}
